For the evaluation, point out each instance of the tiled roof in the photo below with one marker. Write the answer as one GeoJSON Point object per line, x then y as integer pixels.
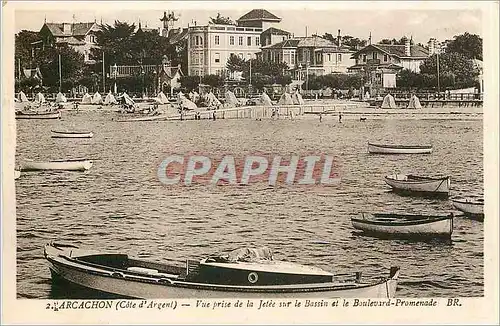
{"type": "Point", "coordinates": [315, 41]}
{"type": "Point", "coordinates": [171, 71]}
{"type": "Point", "coordinates": [275, 31]}
{"type": "Point", "coordinates": [384, 65]}
{"type": "Point", "coordinates": [259, 14]}
{"type": "Point", "coordinates": [342, 49]}
{"type": "Point", "coordinates": [176, 35]}
{"type": "Point", "coordinates": [289, 43]}
{"type": "Point", "coordinates": [77, 29]}
{"type": "Point", "coordinates": [416, 51]}
{"type": "Point", "coordinates": [301, 42]}
{"type": "Point", "coordinates": [71, 40]}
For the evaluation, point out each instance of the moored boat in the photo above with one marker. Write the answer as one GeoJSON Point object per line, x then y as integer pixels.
{"type": "Point", "coordinates": [398, 149]}
{"type": "Point", "coordinates": [244, 273]}
{"type": "Point", "coordinates": [67, 165]}
{"type": "Point", "coordinates": [41, 115]}
{"type": "Point", "coordinates": [72, 134]}
{"type": "Point", "coordinates": [470, 206]}
{"type": "Point", "coordinates": [413, 184]}
{"type": "Point", "coordinates": [388, 225]}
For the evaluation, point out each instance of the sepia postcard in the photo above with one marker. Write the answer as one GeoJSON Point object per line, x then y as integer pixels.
{"type": "Point", "coordinates": [237, 162]}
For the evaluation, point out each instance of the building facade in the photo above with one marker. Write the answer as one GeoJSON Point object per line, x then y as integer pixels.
{"type": "Point", "coordinates": [379, 64]}
{"type": "Point", "coordinates": [312, 55]}
{"type": "Point", "coordinates": [210, 46]}
{"type": "Point", "coordinates": [80, 36]}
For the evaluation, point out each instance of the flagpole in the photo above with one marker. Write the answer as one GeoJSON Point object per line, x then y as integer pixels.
{"type": "Point", "coordinates": [60, 74]}
{"type": "Point", "coordinates": [103, 75]}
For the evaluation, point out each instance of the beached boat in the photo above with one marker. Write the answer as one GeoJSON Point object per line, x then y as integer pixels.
{"type": "Point", "coordinates": [412, 184]}
{"type": "Point", "coordinates": [17, 174]}
{"type": "Point", "coordinates": [470, 206]}
{"type": "Point", "coordinates": [72, 134]}
{"type": "Point", "coordinates": [243, 273]}
{"type": "Point", "coordinates": [67, 165]}
{"type": "Point", "coordinates": [399, 149]}
{"type": "Point", "coordinates": [41, 115]}
{"type": "Point", "coordinates": [386, 225]}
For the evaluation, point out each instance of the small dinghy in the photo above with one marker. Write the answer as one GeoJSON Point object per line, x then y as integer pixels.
{"type": "Point", "coordinates": [243, 273]}
{"type": "Point", "coordinates": [470, 206]}
{"type": "Point", "coordinates": [65, 165]}
{"type": "Point", "coordinates": [399, 149]}
{"type": "Point", "coordinates": [42, 115]}
{"type": "Point", "coordinates": [412, 184]}
{"type": "Point", "coordinates": [385, 225]}
{"type": "Point", "coordinates": [72, 134]}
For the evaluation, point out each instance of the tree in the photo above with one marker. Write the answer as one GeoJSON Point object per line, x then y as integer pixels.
{"type": "Point", "coordinates": [463, 69]}
{"type": "Point", "coordinates": [71, 66]}
{"type": "Point", "coordinates": [23, 48]}
{"type": "Point", "coordinates": [469, 45]}
{"type": "Point", "coordinates": [235, 63]}
{"type": "Point", "coordinates": [190, 82]}
{"type": "Point", "coordinates": [220, 20]}
{"type": "Point", "coordinates": [115, 42]}
{"type": "Point", "coordinates": [213, 80]}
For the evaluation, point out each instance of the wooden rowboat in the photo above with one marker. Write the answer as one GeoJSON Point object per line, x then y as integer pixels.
{"type": "Point", "coordinates": [72, 134]}
{"type": "Point", "coordinates": [404, 226]}
{"type": "Point", "coordinates": [471, 206]}
{"type": "Point", "coordinates": [399, 149]}
{"type": "Point", "coordinates": [246, 276]}
{"type": "Point", "coordinates": [412, 184]}
{"type": "Point", "coordinates": [66, 165]}
{"type": "Point", "coordinates": [43, 115]}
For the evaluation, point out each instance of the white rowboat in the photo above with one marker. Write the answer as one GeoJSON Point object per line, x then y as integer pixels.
{"type": "Point", "coordinates": [417, 184]}
{"type": "Point", "coordinates": [72, 134]}
{"type": "Point", "coordinates": [404, 226]}
{"type": "Point", "coordinates": [45, 115]}
{"type": "Point", "coordinates": [470, 206]}
{"type": "Point", "coordinates": [66, 165]}
{"type": "Point", "coordinates": [399, 149]}
{"type": "Point", "coordinates": [117, 274]}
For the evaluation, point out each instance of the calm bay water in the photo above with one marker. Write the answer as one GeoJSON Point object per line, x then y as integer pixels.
{"type": "Point", "coordinates": [119, 204]}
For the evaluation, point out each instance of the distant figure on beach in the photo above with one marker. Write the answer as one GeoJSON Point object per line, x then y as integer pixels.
{"type": "Point", "coordinates": [362, 119]}
{"type": "Point", "coordinates": [214, 116]}
{"type": "Point", "coordinates": [320, 117]}
{"type": "Point", "coordinates": [340, 117]}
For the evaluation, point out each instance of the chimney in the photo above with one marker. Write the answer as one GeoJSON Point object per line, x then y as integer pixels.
{"type": "Point", "coordinates": [407, 47]}
{"type": "Point", "coordinates": [339, 39]}
{"type": "Point", "coordinates": [66, 28]}
{"type": "Point", "coordinates": [431, 44]}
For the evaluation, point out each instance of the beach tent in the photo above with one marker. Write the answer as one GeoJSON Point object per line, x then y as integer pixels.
{"type": "Point", "coordinates": [127, 100]}
{"type": "Point", "coordinates": [97, 98]}
{"type": "Point", "coordinates": [414, 103]}
{"type": "Point", "coordinates": [191, 96]}
{"type": "Point", "coordinates": [161, 98]}
{"type": "Point", "coordinates": [180, 95]}
{"type": "Point", "coordinates": [60, 98]}
{"type": "Point", "coordinates": [367, 95]}
{"type": "Point", "coordinates": [211, 100]}
{"type": "Point", "coordinates": [388, 102]}
{"type": "Point", "coordinates": [196, 96]}
{"type": "Point", "coordinates": [231, 99]}
{"type": "Point", "coordinates": [297, 98]}
{"type": "Point", "coordinates": [285, 99]}
{"type": "Point", "coordinates": [39, 98]}
{"type": "Point", "coordinates": [22, 97]}
{"type": "Point", "coordinates": [188, 104]}
{"type": "Point", "coordinates": [109, 99]}
{"type": "Point", "coordinates": [265, 100]}
{"type": "Point", "coordinates": [86, 99]}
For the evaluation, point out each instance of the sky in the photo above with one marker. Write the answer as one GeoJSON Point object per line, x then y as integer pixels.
{"type": "Point", "coordinates": [358, 19]}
